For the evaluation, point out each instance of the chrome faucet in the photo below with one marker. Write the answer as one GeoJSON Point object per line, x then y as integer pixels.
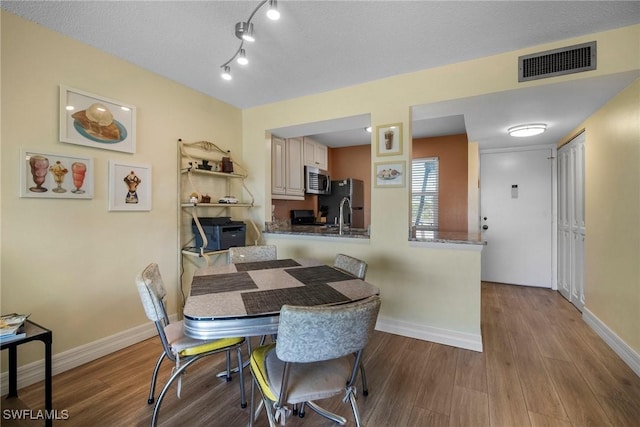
{"type": "Point", "coordinates": [341, 223]}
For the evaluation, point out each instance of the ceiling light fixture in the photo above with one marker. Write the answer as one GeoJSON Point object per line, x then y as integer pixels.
{"type": "Point", "coordinates": [532, 129]}
{"type": "Point", "coordinates": [244, 31]}
{"type": "Point", "coordinates": [242, 58]}
{"type": "Point", "coordinates": [368, 129]}
{"type": "Point", "coordinates": [273, 13]}
{"type": "Point", "coordinates": [226, 73]}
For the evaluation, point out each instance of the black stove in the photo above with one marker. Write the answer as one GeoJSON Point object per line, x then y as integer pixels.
{"type": "Point", "coordinates": [304, 217]}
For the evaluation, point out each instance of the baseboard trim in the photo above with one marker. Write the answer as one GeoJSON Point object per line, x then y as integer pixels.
{"type": "Point", "coordinates": [621, 348]}
{"type": "Point", "coordinates": [430, 333]}
{"type": "Point", "coordinates": [32, 373]}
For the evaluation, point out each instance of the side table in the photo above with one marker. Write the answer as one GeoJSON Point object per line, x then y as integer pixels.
{"type": "Point", "coordinates": [34, 332]}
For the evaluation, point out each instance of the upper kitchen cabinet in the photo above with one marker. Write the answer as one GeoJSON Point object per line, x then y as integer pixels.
{"type": "Point", "coordinates": [287, 168]}
{"type": "Point", "coordinates": [315, 154]}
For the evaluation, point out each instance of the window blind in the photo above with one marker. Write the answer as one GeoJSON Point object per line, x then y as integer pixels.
{"type": "Point", "coordinates": [424, 193]}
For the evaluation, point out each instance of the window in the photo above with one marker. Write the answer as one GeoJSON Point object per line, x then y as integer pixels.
{"type": "Point", "coordinates": [424, 193]}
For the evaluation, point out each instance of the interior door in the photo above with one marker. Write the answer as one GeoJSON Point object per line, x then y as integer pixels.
{"type": "Point", "coordinates": [516, 201]}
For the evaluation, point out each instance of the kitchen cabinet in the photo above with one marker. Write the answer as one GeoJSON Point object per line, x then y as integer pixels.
{"type": "Point", "coordinates": [202, 186]}
{"type": "Point", "coordinates": [315, 154]}
{"type": "Point", "coordinates": [287, 168]}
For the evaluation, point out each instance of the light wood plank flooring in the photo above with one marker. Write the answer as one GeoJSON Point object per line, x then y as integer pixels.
{"type": "Point", "coordinates": [542, 366]}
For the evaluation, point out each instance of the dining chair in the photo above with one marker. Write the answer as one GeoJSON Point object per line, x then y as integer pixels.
{"type": "Point", "coordinates": [351, 265]}
{"type": "Point", "coordinates": [357, 268]}
{"type": "Point", "coordinates": [252, 253]}
{"type": "Point", "coordinates": [177, 347]}
{"type": "Point", "coordinates": [316, 357]}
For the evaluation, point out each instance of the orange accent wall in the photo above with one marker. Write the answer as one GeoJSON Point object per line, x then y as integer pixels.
{"type": "Point", "coordinates": [453, 162]}
{"type": "Point", "coordinates": [353, 162]}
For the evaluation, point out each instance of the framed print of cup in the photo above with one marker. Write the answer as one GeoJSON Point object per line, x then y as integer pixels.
{"type": "Point", "coordinates": [390, 174]}
{"type": "Point", "coordinates": [94, 121]}
{"type": "Point", "coordinates": [55, 176]}
{"type": "Point", "coordinates": [389, 139]}
{"type": "Point", "coordinates": [129, 187]}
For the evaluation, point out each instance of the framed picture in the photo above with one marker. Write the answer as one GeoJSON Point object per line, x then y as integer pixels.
{"type": "Point", "coordinates": [129, 187]}
{"type": "Point", "coordinates": [390, 174]}
{"type": "Point", "coordinates": [94, 121]}
{"type": "Point", "coordinates": [389, 139]}
{"type": "Point", "coordinates": [55, 176]}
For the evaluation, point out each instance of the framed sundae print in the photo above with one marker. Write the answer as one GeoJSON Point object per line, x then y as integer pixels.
{"type": "Point", "coordinates": [55, 176]}
{"type": "Point", "coordinates": [129, 186]}
{"type": "Point", "coordinates": [390, 174]}
{"type": "Point", "coordinates": [95, 121]}
{"type": "Point", "coordinates": [389, 139]}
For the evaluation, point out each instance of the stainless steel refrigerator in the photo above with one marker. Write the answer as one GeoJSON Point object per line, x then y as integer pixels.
{"type": "Point", "coordinates": [329, 204]}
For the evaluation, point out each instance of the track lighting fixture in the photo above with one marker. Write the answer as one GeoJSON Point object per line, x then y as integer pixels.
{"type": "Point", "coordinates": [244, 31]}
{"type": "Point", "coordinates": [226, 73]}
{"type": "Point", "coordinates": [273, 13]}
{"type": "Point", "coordinates": [242, 58]}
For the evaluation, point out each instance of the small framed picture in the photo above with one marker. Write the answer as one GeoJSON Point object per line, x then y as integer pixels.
{"type": "Point", "coordinates": [95, 121]}
{"type": "Point", "coordinates": [390, 174]}
{"type": "Point", "coordinates": [389, 139]}
{"type": "Point", "coordinates": [129, 187]}
{"type": "Point", "coordinates": [55, 176]}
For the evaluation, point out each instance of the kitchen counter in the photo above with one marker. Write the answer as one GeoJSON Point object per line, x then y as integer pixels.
{"type": "Point", "coordinates": [449, 239]}
{"type": "Point", "coordinates": [318, 231]}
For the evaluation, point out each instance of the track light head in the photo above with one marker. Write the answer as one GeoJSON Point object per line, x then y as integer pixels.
{"type": "Point", "coordinates": [244, 31]}
{"type": "Point", "coordinates": [226, 73]}
{"type": "Point", "coordinates": [273, 12]}
{"type": "Point", "coordinates": [242, 58]}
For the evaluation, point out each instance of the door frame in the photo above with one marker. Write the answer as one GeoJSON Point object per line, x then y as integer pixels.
{"type": "Point", "coordinates": [554, 198]}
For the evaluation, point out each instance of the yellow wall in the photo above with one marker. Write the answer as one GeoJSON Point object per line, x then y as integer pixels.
{"type": "Point", "coordinates": [425, 288]}
{"type": "Point", "coordinates": [72, 263]}
{"type": "Point", "coordinates": [612, 187]}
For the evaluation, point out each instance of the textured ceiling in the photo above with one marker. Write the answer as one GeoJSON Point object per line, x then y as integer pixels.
{"type": "Point", "coordinates": [316, 46]}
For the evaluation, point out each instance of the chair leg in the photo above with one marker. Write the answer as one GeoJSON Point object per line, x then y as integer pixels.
{"type": "Point", "coordinates": [354, 408]}
{"type": "Point", "coordinates": [243, 397]}
{"type": "Point", "coordinates": [330, 415]}
{"type": "Point", "coordinates": [172, 378]}
{"type": "Point", "coordinates": [154, 378]}
{"type": "Point", "coordinates": [365, 388]}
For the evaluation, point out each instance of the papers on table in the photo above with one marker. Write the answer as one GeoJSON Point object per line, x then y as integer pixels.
{"type": "Point", "coordinates": [12, 326]}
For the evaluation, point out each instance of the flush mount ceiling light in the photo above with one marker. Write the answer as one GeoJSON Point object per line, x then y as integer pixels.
{"type": "Point", "coordinates": [522, 131]}
{"type": "Point", "coordinates": [244, 31]}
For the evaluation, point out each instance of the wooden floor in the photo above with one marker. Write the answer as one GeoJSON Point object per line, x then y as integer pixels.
{"type": "Point", "coordinates": [541, 366]}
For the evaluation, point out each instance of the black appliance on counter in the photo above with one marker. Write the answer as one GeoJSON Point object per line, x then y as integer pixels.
{"type": "Point", "coordinates": [221, 232]}
{"type": "Point", "coordinates": [303, 217]}
{"type": "Point", "coordinates": [329, 205]}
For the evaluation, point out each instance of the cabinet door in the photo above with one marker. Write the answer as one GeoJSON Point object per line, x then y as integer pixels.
{"type": "Point", "coordinates": [278, 166]}
{"type": "Point", "coordinates": [321, 156]}
{"type": "Point", "coordinates": [315, 154]}
{"type": "Point", "coordinates": [295, 169]}
{"type": "Point", "coordinates": [309, 152]}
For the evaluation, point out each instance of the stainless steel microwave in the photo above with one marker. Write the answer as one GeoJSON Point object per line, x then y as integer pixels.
{"type": "Point", "coordinates": [316, 180]}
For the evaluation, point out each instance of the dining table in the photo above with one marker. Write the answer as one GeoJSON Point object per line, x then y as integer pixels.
{"type": "Point", "coordinates": [245, 299]}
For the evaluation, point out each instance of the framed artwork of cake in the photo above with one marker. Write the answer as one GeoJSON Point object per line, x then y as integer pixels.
{"type": "Point", "coordinates": [98, 122]}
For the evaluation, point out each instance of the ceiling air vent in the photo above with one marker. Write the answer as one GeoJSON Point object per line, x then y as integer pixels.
{"type": "Point", "coordinates": [557, 62]}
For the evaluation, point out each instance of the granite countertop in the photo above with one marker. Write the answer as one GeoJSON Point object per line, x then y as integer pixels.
{"type": "Point", "coordinates": [318, 230]}
{"type": "Point", "coordinates": [461, 237]}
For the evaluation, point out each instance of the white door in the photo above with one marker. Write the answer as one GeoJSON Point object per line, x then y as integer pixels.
{"type": "Point", "coordinates": [571, 220]}
{"type": "Point", "coordinates": [516, 202]}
